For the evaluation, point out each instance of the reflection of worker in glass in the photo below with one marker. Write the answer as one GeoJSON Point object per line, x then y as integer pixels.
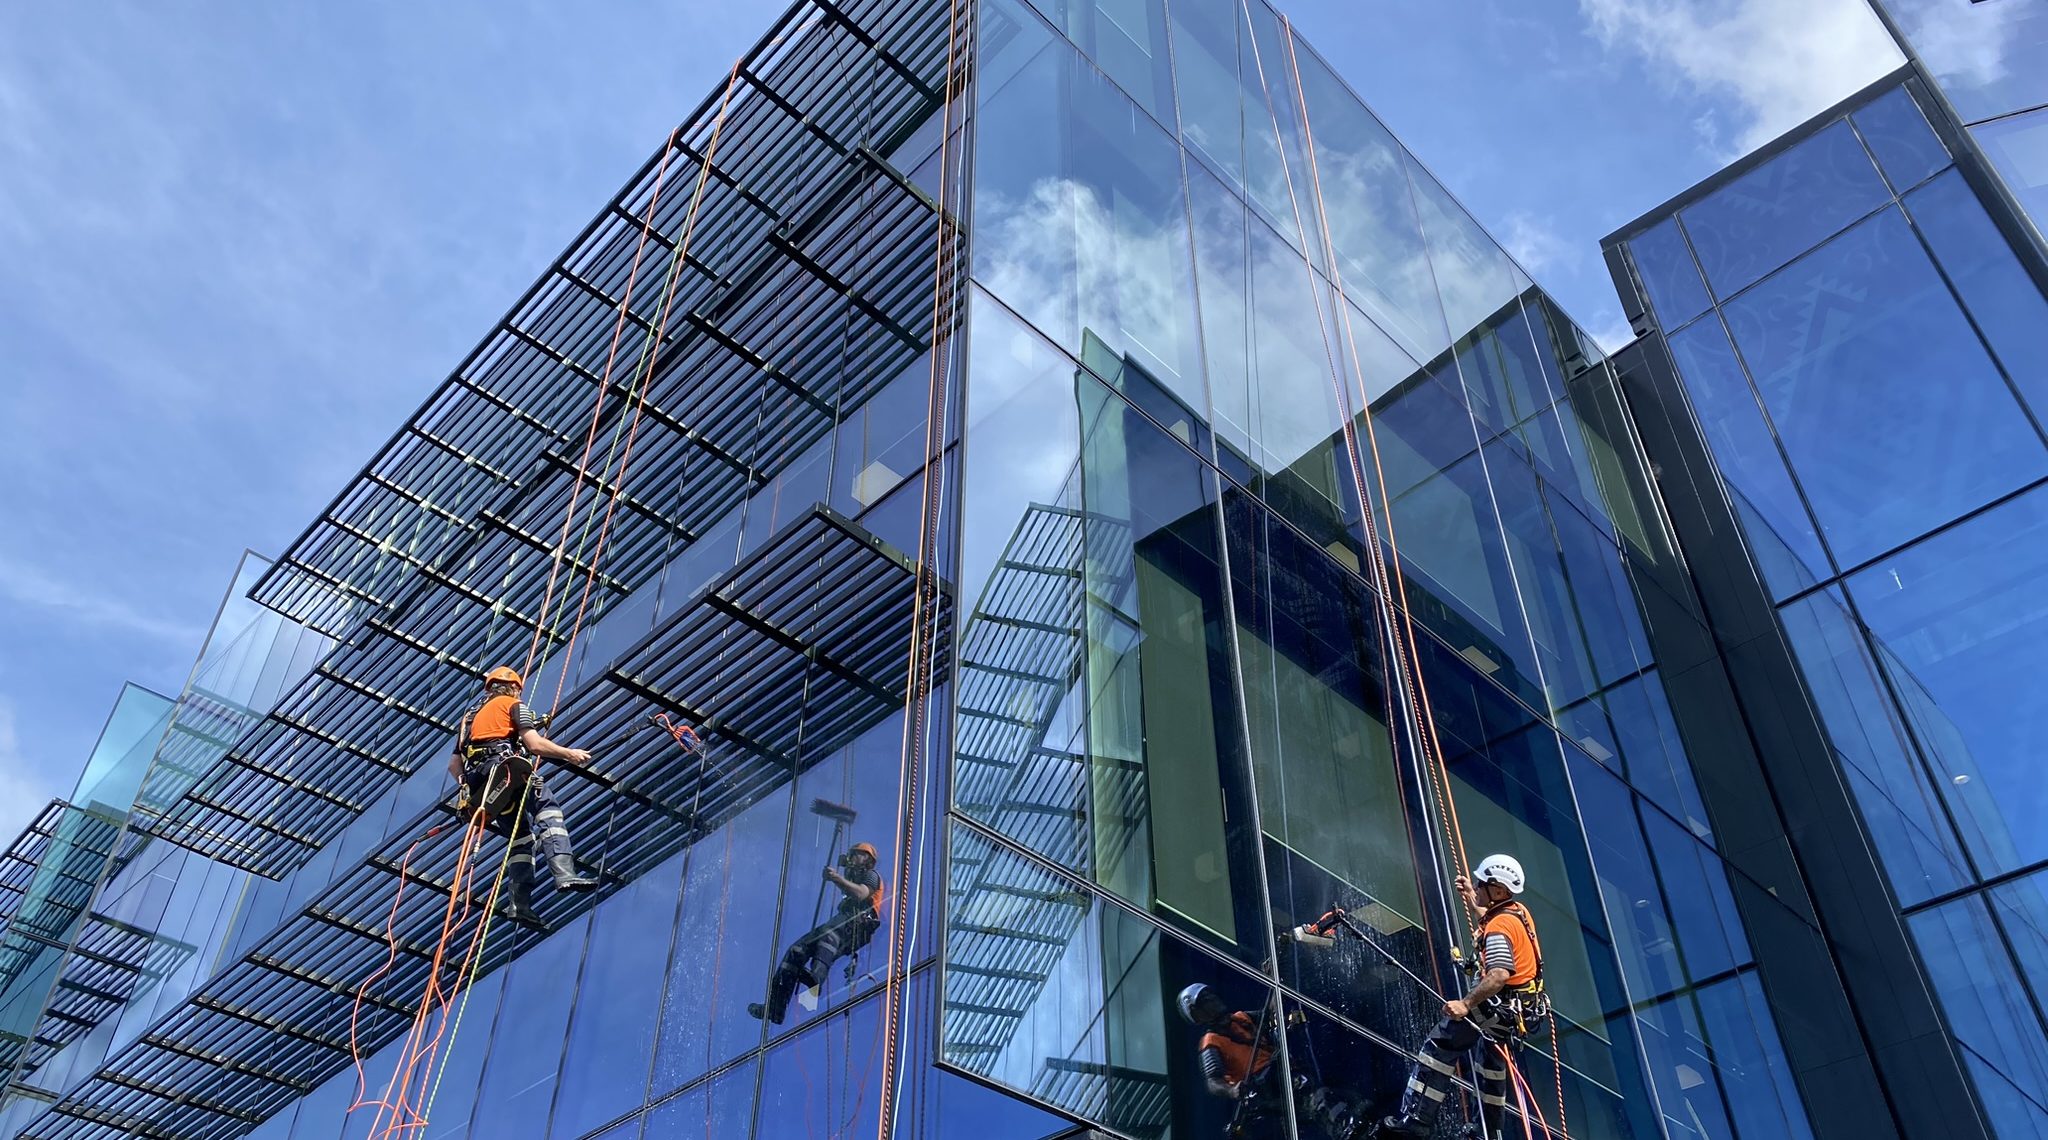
{"type": "Point", "coordinates": [851, 926]}
{"type": "Point", "coordinates": [1489, 1022]}
{"type": "Point", "coordinates": [1237, 1055]}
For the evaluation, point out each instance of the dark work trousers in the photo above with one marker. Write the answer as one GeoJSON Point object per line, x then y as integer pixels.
{"type": "Point", "coordinates": [1474, 1041]}
{"type": "Point", "coordinates": [811, 956]}
{"type": "Point", "coordinates": [541, 818]}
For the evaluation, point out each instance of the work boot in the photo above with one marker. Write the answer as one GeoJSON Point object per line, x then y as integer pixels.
{"type": "Point", "coordinates": [517, 902]}
{"type": "Point", "coordinates": [1401, 1128]}
{"type": "Point", "coordinates": [567, 876]}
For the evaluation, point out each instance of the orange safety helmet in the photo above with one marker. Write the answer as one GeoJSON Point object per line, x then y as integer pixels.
{"type": "Point", "coordinates": [867, 849]}
{"type": "Point", "coordinates": [503, 675]}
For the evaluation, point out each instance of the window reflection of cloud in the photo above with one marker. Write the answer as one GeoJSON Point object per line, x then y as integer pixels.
{"type": "Point", "coordinates": [1067, 260]}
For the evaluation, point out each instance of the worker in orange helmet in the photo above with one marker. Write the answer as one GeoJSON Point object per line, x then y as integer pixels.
{"type": "Point", "coordinates": [850, 927]}
{"type": "Point", "coordinates": [496, 759]}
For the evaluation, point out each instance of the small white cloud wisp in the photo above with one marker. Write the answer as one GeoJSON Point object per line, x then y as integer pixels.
{"type": "Point", "coordinates": [1779, 62]}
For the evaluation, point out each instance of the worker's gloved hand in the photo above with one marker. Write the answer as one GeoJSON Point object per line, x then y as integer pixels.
{"type": "Point", "coordinates": [462, 799]}
{"type": "Point", "coordinates": [576, 756]}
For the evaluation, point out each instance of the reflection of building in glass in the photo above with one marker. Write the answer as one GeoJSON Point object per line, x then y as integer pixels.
{"type": "Point", "coordinates": [1082, 454]}
{"type": "Point", "coordinates": [1856, 317]}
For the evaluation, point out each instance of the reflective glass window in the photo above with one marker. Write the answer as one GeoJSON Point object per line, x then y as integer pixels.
{"type": "Point", "coordinates": [821, 1083]}
{"type": "Point", "coordinates": [1995, 287]}
{"type": "Point", "coordinates": [618, 998]}
{"type": "Point", "coordinates": [1361, 175]}
{"type": "Point", "coordinates": [1474, 277]}
{"type": "Point", "coordinates": [1052, 993]}
{"type": "Point", "coordinates": [724, 947]}
{"type": "Point", "coordinates": [1781, 534]}
{"type": "Point", "coordinates": [1892, 414]}
{"type": "Point", "coordinates": [1900, 806]}
{"type": "Point", "coordinates": [1988, 58]}
{"type": "Point", "coordinates": [1080, 219]}
{"type": "Point", "coordinates": [461, 1062]}
{"type": "Point", "coordinates": [1984, 996]}
{"type": "Point", "coordinates": [1790, 204]}
{"type": "Point", "coordinates": [719, 1109]}
{"type": "Point", "coordinates": [1960, 625]}
{"type": "Point", "coordinates": [1899, 138]}
{"type": "Point", "coordinates": [519, 1078]}
{"type": "Point", "coordinates": [2018, 147]}
{"type": "Point", "coordinates": [1126, 39]}
{"type": "Point", "coordinates": [1212, 101]}
{"type": "Point", "coordinates": [1665, 264]}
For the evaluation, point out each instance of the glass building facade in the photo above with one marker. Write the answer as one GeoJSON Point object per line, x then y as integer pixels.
{"type": "Point", "coordinates": [1864, 349]}
{"type": "Point", "coordinates": [1075, 448]}
{"type": "Point", "coordinates": [1988, 62]}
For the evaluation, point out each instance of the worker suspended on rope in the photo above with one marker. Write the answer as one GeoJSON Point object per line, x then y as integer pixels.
{"type": "Point", "coordinates": [1237, 1052]}
{"type": "Point", "coordinates": [496, 759]}
{"type": "Point", "coordinates": [1489, 1023]}
{"type": "Point", "coordinates": [851, 926]}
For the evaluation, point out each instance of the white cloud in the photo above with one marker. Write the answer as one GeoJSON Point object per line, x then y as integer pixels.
{"type": "Point", "coordinates": [31, 586]}
{"type": "Point", "coordinates": [1535, 243]}
{"type": "Point", "coordinates": [1780, 61]}
{"type": "Point", "coordinates": [1610, 331]}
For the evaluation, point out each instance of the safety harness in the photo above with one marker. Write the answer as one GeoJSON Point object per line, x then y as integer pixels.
{"type": "Point", "coordinates": [1516, 1006]}
{"type": "Point", "coordinates": [505, 765]}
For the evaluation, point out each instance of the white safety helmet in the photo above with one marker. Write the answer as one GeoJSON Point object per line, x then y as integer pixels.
{"type": "Point", "coordinates": [1502, 869]}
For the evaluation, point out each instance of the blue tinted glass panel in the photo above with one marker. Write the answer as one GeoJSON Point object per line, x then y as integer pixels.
{"type": "Point", "coordinates": [1982, 993]}
{"type": "Point", "coordinates": [2018, 147]}
{"type": "Point", "coordinates": [462, 1061]}
{"type": "Point", "coordinates": [1990, 57]}
{"type": "Point", "coordinates": [1892, 413]}
{"type": "Point", "coordinates": [1900, 139]}
{"type": "Point", "coordinates": [1665, 264]}
{"type": "Point", "coordinates": [1993, 284]}
{"type": "Point", "coordinates": [1366, 203]}
{"type": "Point", "coordinates": [1474, 277]}
{"type": "Point", "coordinates": [1125, 38]}
{"type": "Point", "coordinates": [1205, 60]}
{"type": "Point", "coordinates": [519, 1081]}
{"type": "Point", "coordinates": [1900, 805]}
{"type": "Point", "coordinates": [721, 1109]}
{"type": "Point", "coordinates": [1080, 215]}
{"type": "Point", "coordinates": [611, 1034]}
{"type": "Point", "coordinates": [1783, 208]}
{"type": "Point", "coordinates": [1960, 623]}
{"type": "Point", "coordinates": [1780, 532]}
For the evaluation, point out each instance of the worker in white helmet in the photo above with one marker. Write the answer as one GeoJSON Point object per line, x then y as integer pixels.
{"type": "Point", "coordinates": [1484, 1027]}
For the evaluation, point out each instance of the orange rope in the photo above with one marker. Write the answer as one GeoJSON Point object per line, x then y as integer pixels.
{"type": "Point", "coordinates": [597, 404]}
{"type": "Point", "coordinates": [644, 376]}
{"type": "Point", "coordinates": [924, 599]}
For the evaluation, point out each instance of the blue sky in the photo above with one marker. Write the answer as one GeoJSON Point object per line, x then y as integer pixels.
{"type": "Point", "coordinates": [239, 243]}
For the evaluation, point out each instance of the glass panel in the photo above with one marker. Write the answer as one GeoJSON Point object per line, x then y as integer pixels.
{"type": "Point", "coordinates": [1668, 272]}
{"type": "Point", "coordinates": [2018, 147]}
{"type": "Point", "coordinates": [1900, 806]}
{"type": "Point", "coordinates": [1212, 99]}
{"type": "Point", "coordinates": [1783, 208]}
{"type": "Point", "coordinates": [1983, 995]}
{"type": "Point", "coordinates": [1331, 802]}
{"type": "Point", "coordinates": [461, 1065]}
{"type": "Point", "coordinates": [1360, 174]}
{"type": "Point", "coordinates": [1080, 217]}
{"type": "Point", "coordinates": [825, 1083]}
{"type": "Point", "coordinates": [1848, 347]}
{"type": "Point", "coordinates": [1899, 138]}
{"type": "Point", "coordinates": [618, 1000]}
{"type": "Point", "coordinates": [1473, 277]}
{"type": "Point", "coordinates": [1994, 286]}
{"type": "Point", "coordinates": [724, 943]}
{"type": "Point", "coordinates": [1051, 992]}
{"type": "Point", "coordinates": [1989, 59]}
{"type": "Point", "coordinates": [526, 1050]}
{"type": "Point", "coordinates": [1127, 39]}
{"type": "Point", "coordinates": [1781, 534]}
{"type": "Point", "coordinates": [1961, 627]}
{"type": "Point", "coordinates": [721, 1109]}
